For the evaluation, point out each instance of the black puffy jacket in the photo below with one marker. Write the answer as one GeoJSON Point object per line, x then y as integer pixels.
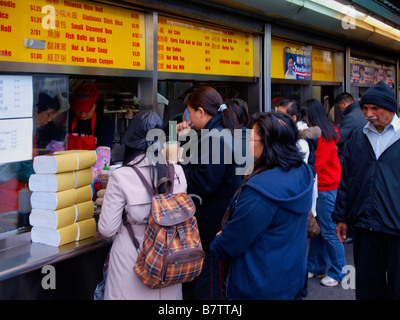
{"type": "Point", "coordinates": [215, 183]}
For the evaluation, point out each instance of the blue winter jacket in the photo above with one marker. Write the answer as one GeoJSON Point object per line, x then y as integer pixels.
{"type": "Point", "coordinates": [267, 235]}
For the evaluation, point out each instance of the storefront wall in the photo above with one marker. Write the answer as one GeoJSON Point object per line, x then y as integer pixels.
{"type": "Point", "coordinates": [149, 52]}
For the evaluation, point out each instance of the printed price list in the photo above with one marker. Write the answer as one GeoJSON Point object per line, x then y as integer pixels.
{"type": "Point", "coordinates": [15, 140]}
{"type": "Point", "coordinates": [193, 48]}
{"type": "Point", "coordinates": [15, 97]}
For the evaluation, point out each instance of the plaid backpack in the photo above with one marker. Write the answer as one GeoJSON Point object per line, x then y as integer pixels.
{"type": "Point", "coordinates": [172, 252]}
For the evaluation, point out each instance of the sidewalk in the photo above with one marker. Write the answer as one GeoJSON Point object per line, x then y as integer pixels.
{"type": "Point", "coordinates": [316, 291]}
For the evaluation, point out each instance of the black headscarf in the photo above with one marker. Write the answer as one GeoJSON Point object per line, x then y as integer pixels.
{"type": "Point", "coordinates": [141, 124]}
{"type": "Point", "coordinates": [135, 141]}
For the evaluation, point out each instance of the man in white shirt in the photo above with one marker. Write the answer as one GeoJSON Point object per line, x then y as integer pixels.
{"type": "Point", "coordinates": [382, 127]}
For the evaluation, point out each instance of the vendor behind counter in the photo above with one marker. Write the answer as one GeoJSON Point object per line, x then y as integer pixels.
{"type": "Point", "coordinates": [88, 128]}
{"type": "Point", "coordinates": [14, 175]}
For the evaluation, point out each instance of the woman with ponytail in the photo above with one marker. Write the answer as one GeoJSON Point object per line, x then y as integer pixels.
{"type": "Point", "coordinates": [214, 181]}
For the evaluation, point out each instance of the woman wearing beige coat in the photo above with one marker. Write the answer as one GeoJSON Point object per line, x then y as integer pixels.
{"type": "Point", "coordinates": [126, 191]}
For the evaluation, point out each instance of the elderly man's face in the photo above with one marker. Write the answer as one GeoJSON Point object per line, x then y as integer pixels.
{"type": "Point", "coordinates": [377, 116]}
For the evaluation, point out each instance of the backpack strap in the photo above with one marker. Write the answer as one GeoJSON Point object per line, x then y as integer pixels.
{"type": "Point", "coordinates": [130, 231]}
{"type": "Point", "coordinates": [124, 215]}
{"type": "Point", "coordinates": [171, 174]}
{"type": "Point", "coordinates": [169, 180]}
{"type": "Point", "coordinates": [144, 180]}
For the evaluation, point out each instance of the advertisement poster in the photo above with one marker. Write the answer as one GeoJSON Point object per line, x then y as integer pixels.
{"type": "Point", "coordinates": [384, 73]}
{"type": "Point", "coordinates": [297, 64]}
{"type": "Point", "coordinates": [369, 73]}
{"type": "Point", "coordinates": [361, 71]}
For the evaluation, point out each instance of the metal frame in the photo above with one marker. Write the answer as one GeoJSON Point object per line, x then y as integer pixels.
{"type": "Point", "coordinates": [162, 75]}
{"type": "Point", "coordinates": [29, 67]}
{"type": "Point", "coordinates": [267, 68]}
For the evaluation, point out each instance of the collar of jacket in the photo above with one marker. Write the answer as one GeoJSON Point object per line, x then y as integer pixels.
{"type": "Point", "coordinates": [350, 108]}
{"type": "Point", "coordinates": [312, 133]}
{"type": "Point", "coordinates": [214, 122]}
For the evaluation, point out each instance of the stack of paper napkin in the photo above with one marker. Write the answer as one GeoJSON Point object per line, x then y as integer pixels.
{"type": "Point", "coordinates": [62, 206]}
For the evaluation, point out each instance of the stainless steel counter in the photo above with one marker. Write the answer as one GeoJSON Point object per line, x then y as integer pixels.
{"type": "Point", "coordinates": [18, 255]}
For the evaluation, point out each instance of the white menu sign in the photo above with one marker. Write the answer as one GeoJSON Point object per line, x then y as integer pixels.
{"type": "Point", "coordinates": [16, 140]}
{"type": "Point", "coordinates": [16, 96]}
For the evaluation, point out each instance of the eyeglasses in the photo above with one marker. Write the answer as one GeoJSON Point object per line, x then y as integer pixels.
{"type": "Point", "coordinates": [249, 139]}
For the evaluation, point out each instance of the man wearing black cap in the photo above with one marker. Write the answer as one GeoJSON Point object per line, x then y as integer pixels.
{"type": "Point", "coordinates": [368, 196]}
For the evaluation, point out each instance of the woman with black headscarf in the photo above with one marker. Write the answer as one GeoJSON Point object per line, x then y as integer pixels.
{"type": "Point", "coordinates": [125, 191]}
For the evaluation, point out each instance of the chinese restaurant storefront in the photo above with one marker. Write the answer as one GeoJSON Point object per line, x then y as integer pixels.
{"type": "Point", "coordinates": [137, 59]}
{"type": "Point", "coordinates": [139, 56]}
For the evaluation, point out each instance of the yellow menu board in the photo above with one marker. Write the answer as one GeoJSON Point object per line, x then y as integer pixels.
{"type": "Point", "coordinates": [323, 64]}
{"type": "Point", "coordinates": [77, 33]}
{"type": "Point", "coordinates": [188, 47]}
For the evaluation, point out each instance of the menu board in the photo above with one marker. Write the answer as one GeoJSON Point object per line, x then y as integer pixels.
{"type": "Point", "coordinates": [323, 65]}
{"type": "Point", "coordinates": [15, 140]}
{"type": "Point", "coordinates": [78, 33]}
{"type": "Point", "coordinates": [194, 48]}
{"type": "Point", "coordinates": [16, 125]}
{"type": "Point", "coordinates": [15, 96]}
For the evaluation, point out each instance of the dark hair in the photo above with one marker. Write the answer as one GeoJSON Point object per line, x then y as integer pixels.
{"type": "Point", "coordinates": [132, 153]}
{"type": "Point", "coordinates": [46, 102]}
{"type": "Point", "coordinates": [162, 169]}
{"type": "Point", "coordinates": [136, 144]}
{"type": "Point", "coordinates": [239, 108]}
{"type": "Point", "coordinates": [278, 132]}
{"type": "Point", "coordinates": [186, 101]}
{"type": "Point", "coordinates": [344, 96]}
{"type": "Point", "coordinates": [210, 100]}
{"type": "Point", "coordinates": [313, 113]}
{"type": "Point", "coordinates": [292, 108]}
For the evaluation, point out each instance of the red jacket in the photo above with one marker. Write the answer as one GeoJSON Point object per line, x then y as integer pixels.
{"type": "Point", "coordinates": [327, 164]}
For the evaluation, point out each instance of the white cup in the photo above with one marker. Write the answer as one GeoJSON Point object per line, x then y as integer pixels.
{"type": "Point", "coordinates": [172, 151]}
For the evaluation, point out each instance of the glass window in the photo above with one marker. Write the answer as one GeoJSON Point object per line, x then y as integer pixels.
{"type": "Point", "coordinates": [48, 118]}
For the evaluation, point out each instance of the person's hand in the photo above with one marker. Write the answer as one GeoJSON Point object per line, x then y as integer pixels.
{"type": "Point", "coordinates": [183, 128]}
{"type": "Point", "coordinates": [341, 231]}
{"type": "Point", "coordinates": [219, 232]}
